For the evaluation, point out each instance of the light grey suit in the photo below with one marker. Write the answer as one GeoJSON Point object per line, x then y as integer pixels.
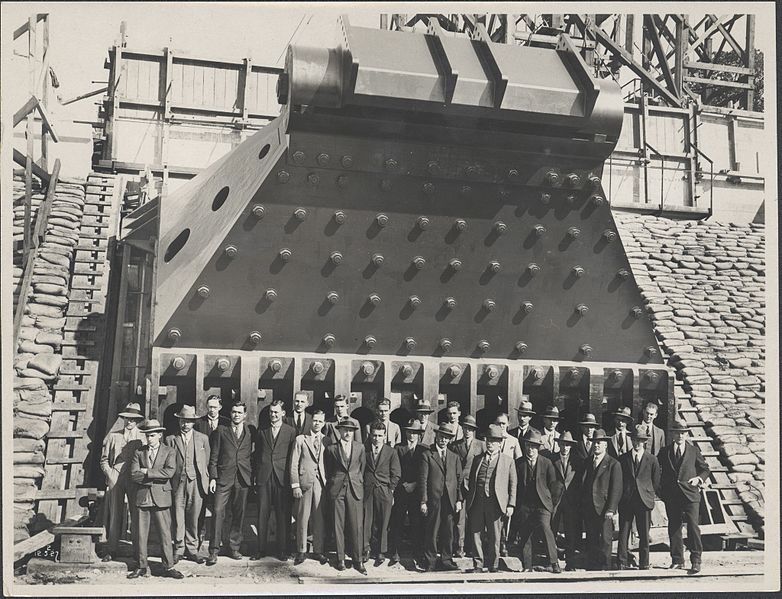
{"type": "Point", "coordinates": [308, 473]}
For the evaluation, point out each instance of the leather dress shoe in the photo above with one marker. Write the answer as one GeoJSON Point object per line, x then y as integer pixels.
{"type": "Point", "coordinates": [379, 559]}
{"type": "Point", "coordinates": [139, 573]}
{"type": "Point", "coordinates": [448, 566]}
{"type": "Point", "coordinates": [569, 568]}
{"type": "Point", "coordinates": [106, 558]}
{"type": "Point", "coordinates": [459, 554]}
{"type": "Point", "coordinates": [235, 554]}
{"type": "Point", "coordinates": [493, 570]}
{"type": "Point", "coordinates": [192, 557]}
{"type": "Point", "coordinates": [676, 567]}
{"type": "Point", "coordinates": [321, 557]}
{"type": "Point", "coordinates": [694, 569]}
{"type": "Point", "coordinates": [555, 569]}
{"type": "Point", "coordinates": [177, 558]}
{"type": "Point", "coordinates": [340, 565]}
{"type": "Point", "coordinates": [299, 559]}
{"type": "Point", "coordinates": [644, 567]}
{"type": "Point", "coordinates": [211, 560]}
{"type": "Point", "coordinates": [503, 552]}
{"type": "Point", "coordinates": [283, 557]}
{"type": "Point", "coordinates": [479, 570]}
{"type": "Point", "coordinates": [394, 559]}
{"type": "Point", "coordinates": [359, 567]}
{"type": "Point", "coordinates": [172, 573]}
{"type": "Point", "coordinates": [257, 556]}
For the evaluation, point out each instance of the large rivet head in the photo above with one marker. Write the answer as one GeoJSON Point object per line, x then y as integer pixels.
{"type": "Point", "coordinates": [574, 373]}
{"type": "Point", "coordinates": [332, 297]}
{"type": "Point", "coordinates": [651, 376]}
{"type": "Point", "coordinates": [410, 344]}
{"type": "Point", "coordinates": [551, 178]}
{"type": "Point", "coordinates": [329, 340]}
{"type": "Point", "coordinates": [433, 168]}
{"type": "Point", "coordinates": [489, 305]}
{"type": "Point", "coordinates": [422, 223]}
{"type": "Point", "coordinates": [230, 251]}
{"type": "Point", "coordinates": [513, 174]}
{"type": "Point", "coordinates": [223, 364]}
{"type": "Point", "coordinates": [300, 214]}
{"type": "Point", "coordinates": [178, 363]}
{"type": "Point", "coordinates": [533, 269]}
{"type": "Point", "coordinates": [454, 370]}
{"type": "Point", "coordinates": [623, 273]}
{"type": "Point", "coordinates": [492, 372]}
{"type": "Point", "coordinates": [285, 254]}
{"type": "Point", "coordinates": [374, 299]}
{"type": "Point", "coordinates": [538, 373]}
{"type": "Point", "coordinates": [414, 301]}
{"type": "Point", "coordinates": [450, 303]}
{"type": "Point", "coordinates": [527, 307]}
{"type": "Point", "coordinates": [582, 309]}
{"type": "Point", "coordinates": [339, 217]}
{"type": "Point", "coordinates": [419, 262]}
{"type": "Point", "coordinates": [460, 224]}
{"type": "Point", "coordinates": [578, 271]}
{"type": "Point", "coordinates": [174, 334]}
{"type": "Point", "coordinates": [428, 188]}
{"type": "Point", "coordinates": [391, 164]}
{"type": "Point", "coordinates": [370, 341]}
{"type": "Point", "coordinates": [323, 159]}
{"type": "Point", "coordinates": [586, 349]}
{"type": "Point", "coordinates": [520, 347]}
{"type": "Point", "coordinates": [313, 179]}
{"type": "Point", "coordinates": [317, 367]}
{"type": "Point", "coordinates": [275, 365]}
{"type": "Point", "coordinates": [571, 198]}
{"type": "Point", "coordinates": [368, 368]}
{"type": "Point", "coordinates": [347, 161]}
{"type": "Point", "coordinates": [494, 266]}
{"type": "Point", "coordinates": [609, 235]}
{"type": "Point", "coordinates": [381, 220]}
{"type": "Point", "coordinates": [500, 227]}
{"type": "Point", "coordinates": [573, 232]}
{"type": "Point", "coordinates": [377, 259]}
{"type": "Point", "coordinates": [483, 345]}
{"type": "Point", "coordinates": [254, 337]}
{"type": "Point", "coordinates": [259, 211]}
{"type": "Point", "coordinates": [283, 176]}
{"type": "Point", "coordinates": [407, 369]}
{"type": "Point", "coordinates": [465, 189]}
{"type": "Point", "coordinates": [336, 257]}
{"type": "Point", "coordinates": [651, 351]}
{"type": "Point", "coordinates": [573, 180]}
{"type": "Point", "coordinates": [298, 157]}
{"type": "Point", "coordinates": [594, 182]}
{"type": "Point", "coordinates": [445, 344]}
{"type": "Point", "coordinates": [540, 230]}
{"type": "Point", "coordinates": [270, 295]}
{"type": "Point", "coordinates": [598, 200]}
{"type": "Point", "coordinates": [545, 198]}
{"type": "Point", "coordinates": [455, 264]}
{"type": "Point", "coordinates": [203, 291]}
{"type": "Point", "coordinates": [636, 312]}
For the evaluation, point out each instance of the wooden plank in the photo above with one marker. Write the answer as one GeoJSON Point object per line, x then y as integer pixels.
{"type": "Point", "coordinates": [722, 68]}
{"type": "Point", "coordinates": [38, 170]}
{"type": "Point", "coordinates": [718, 82]}
{"type": "Point", "coordinates": [55, 494]}
{"type": "Point", "coordinates": [62, 406]}
{"type": "Point", "coordinates": [66, 434]}
{"type": "Point", "coordinates": [67, 460]}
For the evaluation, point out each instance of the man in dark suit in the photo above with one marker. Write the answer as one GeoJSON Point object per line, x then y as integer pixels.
{"type": "Point", "coordinates": [345, 462]}
{"type": "Point", "coordinates": [209, 422]}
{"type": "Point", "coordinates": [299, 419]}
{"type": "Point", "coordinates": [524, 414]}
{"type": "Point", "coordinates": [406, 494]}
{"type": "Point", "coordinates": [466, 448]}
{"type": "Point", "coordinates": [601, 490]}
{"type": "Point", "coordinates": [273, 449]}
{"type": "Point", "coordinates": [566, 497]}
{"type": "Point", "coordinates": [230, 477]}
{"type": "Point", "coordinates": [656, 434]}
{"type": "Point", "coordinates": [587, 426]}
{"type": "Point", "coordinates": [423, 411]}
{"type": "Point", "coordinates": [640, 482]}
{"type": "Point", "coordinates": [152, 468]}
{"type": "Point", "coordinates": [620, 441]}
{"type": "Point", "coordinates": [331, 429]}
{"type": "Point", "coordinates": [536, 480]}
{"type": "Point", "coordinates": [190, 483]}
{"type": "Point", "coordinates": [490, 486]}
{"type": "Point", "coordinates": [381, 475]}
{"type": "Point", "coordinates": [441, 498]}
{"type": "Point", "coordinates": [683, 473]}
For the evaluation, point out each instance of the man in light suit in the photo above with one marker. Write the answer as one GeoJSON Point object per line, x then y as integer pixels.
{"type": "Point", "coordinates": [152, 468]}
{"type": "Point", "coordinates": [536, 481]}
{"type": "Point", "coordinates": [190, 484]}
{"type": "Point", "coordinates": [345, 462]}
{"type": "Point", "coordinates": [406, 495]}
{"type": "Point", "coordinates": [656, 434]}
{"type": "Point", "coordinates": [641, 481]}
{"type": "Point", "coordinates": [230, 477]}
{"type": "Point", "coordinates": [566, 497]}
{"type": "Point", "coordinates": [308, 479]}
{"type": "Point", "coordinates": [423, 409]}
{"type": "Point", "coordinates": [441, 499]}
{"type": "Point", "coordinates": [393, 435]}
{"type": "Point", "coordinates": [381, 476]}
{"type": "Point", "coordinates": [588, 426]}
{"type": "Point", "coordinates": [116, 454]}
{"type": "Point", "coordinates": [601, 490]}
{"type": "Point", "coordinates": [548, 435]}
{"type": "Point", "coordinates": [490, 487]}
{"type": "Point", "coordinates": [273, 449]}
{"type": "Point", "coordinates": [620, 441]}
{"type": "Point", "coordinates": [510, 447]}
{"type": "Point", "coordinates": [331, 429]}
{"type": "Point", "coordinates": [299, 419]}
{"type": "Point", "coordinates": [466, 448]}
{"type": "Point", "coordinates": [683, 473]}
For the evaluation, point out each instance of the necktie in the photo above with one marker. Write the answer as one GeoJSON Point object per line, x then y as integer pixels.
{"type": "Point", "coordinates": [637, 461]}
{"type": "Point", "coordinates": [317, 445]}
{"type": "Point", "coordinates": [375, 451]}
{"type": "Point", "coordinates": [595, 464]}
{"type": "Point", "coordinates": [679, 452]}
{"type": "Point", "coordinates": [236, 431]}
{"type": "Point", "coordinates": [152, 455]}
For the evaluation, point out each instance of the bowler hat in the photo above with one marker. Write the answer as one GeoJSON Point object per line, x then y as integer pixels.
{"type": "Point", "coordinates": [151, 426]}
{"type": "Point", "coordinates": [600, 435]}
{"type": "Point", "coordinates": [348, 423]}
{"type": "Point", "coordinates": [424, 406]}
{"type": "Point", "coordinates": [551, 412]}
{"type": "Point", "coordinates": [495, 432]}
{"type": "Point", "coordinates": [469, 422]}
{"type": "Point", "coordinates": [624, 413]}
{"type": "Point", "coordinates": [132, 410]}
{"type": "Point", "coordinates": [533, 438]}
{"type": "Point", "coordinates": [446, 429]}
{"type": "Point", "coordinates": [525, 408]}
{"type": "Point", "coordinates": [639, 432]}
{"type": "Point", "coordinates": [589, 420]}
{"type": "Point", "coordinates": [187, 413]}
{"type": "Point", "coordinates": [415, 427]}
{"type": "Point", "coordinates": [678, 426]}
{"type": "Point", "coordinates": [567, 439]}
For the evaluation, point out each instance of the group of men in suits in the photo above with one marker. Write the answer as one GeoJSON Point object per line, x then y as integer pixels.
{"type": "Point", "coordinates": [458, 493]}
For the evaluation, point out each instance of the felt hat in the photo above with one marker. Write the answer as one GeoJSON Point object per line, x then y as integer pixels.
{"type": "Point", "coordinates": [186, 413]}
{"type": "Point", "coordinates": [132, 410]}
{"type": "Point", "coordinates": [533, 438]}
{"type": "Point", "coordinates": [678, 426]}
{"type": "Point", "coordinates": [600, 435]}
{"type": "Point", "coordinates": [415, 427]}
{"type": "Point", "coordinates": [348, 423]}
{"type": "Point", "coordinates": [151, 426]}
{"type": "Point", "coordinates": [551, 412]}
{"type": "Point", "coordinates": [639, 432]}
{"type": "Point", "coordinates": [525, 408]}
{"type": "Point", "coordinates": [495, 432]}
{"type": "Point", "coordinates": [589, 420]}
{"type": "Point", "coordinates": [567, 439]}
{"type": "Point", "coordinates": [469, 422]}
{"type": "Point", "coordinates": [424, 406]}
{"type": "Point", "coordinates": [624, 413]}
{"type": "Point", "coordinates": [446, 429]}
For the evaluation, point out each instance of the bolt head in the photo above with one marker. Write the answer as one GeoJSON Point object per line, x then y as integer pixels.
{"type": "Point", "coordinates": [483, 345]}
{"type": "Point", "coordinates": [285, 254]}
{"type": "Point", "coordinates": [428, 188]}
{"type": "Point", "coordinates": [178, 363]}
{"type": "Point", "coordinates": [471, 171]}
{"type": "Point", "coordinates": [573, 180]}
{"type": "Point", "coordinates": [552, 178]}
{"type": "Point", "coordinates": [407, 369]}
{"type": "Point", "coordinates": [617, 374]}
{"type": "Point", "coordinates": [374, 299]}
{"type": "Point", "coordinates": [203, 291]}
{"type": "Point", "coordinates": [332, 297]}
{"type": "Point", "coordinates": [582, 309]}
{"type": "Point", "coordinates": [578, 271]}
{"type": "Point", "coordinates": [223, 364]}
{"type": "Point", "coordinates": [623, 273]}
{"type": "Point", "coordinates": [574, 373]}
{"type": "Point", "coordinates": [255, 337]}
{"type": "Point", "coordinates": [298, 157]}
{"type": "Point", "coordinates": [329, 340]}
{"type": "Point", "coordinates": [574, 232]}
{"type": "Point", "coordinates": [492, 372]}
{"type": "Point", "coordinates": [283, 176]}
{"type": "Point", "coordinates": [540, 230]}
{"type": "Point", "coordinates": [370, 341]}
{"type": "Point", "coordinates": [313, 179]}
{"type": "Point", "coordinates": [527, 307]}
{"type": "Point", "coordinates": [465, 189]}
{"type": "Point", "coordinates": [450, 303]}
{"type": "Point", "coordinates": [336, 257]}
{"type": "Point", "coordinates": [323, 159]}
{"type": "Point", "coordinates": [489, 305]}
{"type": "Point", "coordinates": [258, 211]}
{"type": "Point", "coordinates": [598, 200]}
{"type": "Point", "coordinates": [347, 161]}
{"type": "Point", "coordinates": [520, 347]}
{"type": "Point", "coordinates": [317, 367]}
{"type": "Point", "coordinates": [174, 334]}
{"type": "Point", "coordinates": [368, 368]}
{"type": "Point", "coordinates": [651, 351]}
{"type": "Point", "coordinates": [454, 370]}
{"type": "Point", "coordinates": [500, 227]}
{"type": "Point", "coordinates": [637, 312]}
{"type": "Point", "coordinates": [231, 251]}
{"type": "Point", "coordinates": [414, 301]}
{"type": "Point", "coordinates": [538, 373]}
{"type": "Point", "coordinates": [513, 174]}
{"type": "Point", "coordinates": [339, 217]}
{"type": "Point", "coordinates": [586, 350]}
{"type": "Point", "coordinates": [377, 259]}
{"type": "Point", "coordinates": [271, 294]}
{"type": "Point", "coordinates": [533, 269]}
{"type": "Point", "coordinates": [391, 164]}
{"type": "Point", "coordinates": [455, 264]}
{"type": "Point", "coordinates": [594, 182]}
{"type": "Point", "coordinates": [422, 223]}
{"type": "Point", "coordinates": [571, 198]}
{"type": "Point", "coordinates": [410, 344]}
{"type": "Point", "coordinates": [445, 344]}
{"type": "Point", "coordinates": [609, 235]}
{"type": "Point", "coordinates": [545, 198]}
{"type": "Point", "coordinates": [494, 266]}
{"type": "Point", "coordinates": [651, 376]}
{"type": "Point", "coordinates": [275, 365]}
{"type": "Point", "coordinates": [300, 214]}
{"type": "Point", "coordinates": [433, 168]}
{"type": "Point", "coordinates": [381, 220]}
{"type": "Point", "coordinates": [460, 224]}
{"type": "Point", "coordinates": [419, 262]}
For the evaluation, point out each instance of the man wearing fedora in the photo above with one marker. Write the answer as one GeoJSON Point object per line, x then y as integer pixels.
{"type": "Point", "coordinates": [381, 476]}
{"type": "Point", "coordinates": [152, 468]}
{"type": "Point", "coordinates": [588, 426]}
{"type": "Point", "coordinates": [601, 491]}
{"type": "Point", "coordinates": [566, 496]}
{"type": "Point", "coordinates": [406, 503]}
{"type": "Point", "coordinates": [423, 408]}
{"type": "Point", "coordinates": [656, 435]}
{"type": "Point", "coordinates": [620, 441]}
{"type": "Point", "coordinates": [190, 483]}
{"type": "Point", "coordinates": [393, 434]}
{"type": "Point", "coordinates": [511, 447]}
{"type": "Point", "coordinates": [490, 496]}
{"type": "Point", "coordinates": [331, 430]}
{"type": "Point", "coordinates": [525, 413]}
{"type": "Point", "coordinates": [345, 462]}
{"type": "Point", "coordinates": [116, 454]}
{"type": "Point", "coordinates": [536, 480]}
{"type": "Point", "coordinates": [548, 436]}
{"type": "Point", "coordinates": [683, 472]}
{"type": "Point", "coordinates": [640, 482]}
{"type": "Point", "coordinates": [441, 499]}
{"type": "Point", "coordinates": [466, 448]}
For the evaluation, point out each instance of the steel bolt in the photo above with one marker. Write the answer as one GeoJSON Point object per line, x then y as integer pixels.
{"type": "Point", "coordinates": [574, 232]}
{"type": "Point", "coordinates": [300, 214]}
{"type": "Point", "coordinates": [178, 363]}
{"type": "Point", "coordinates": [573, 180]}
{"type": "Point", "coordinates": [347, 161]}
{"type": "Point", "coordinates": [455, 264]}
{"type": "Point", "coordinates": [552, 178]}
{"type": "Point", "coordinates": [385, 184]}
{"type": "Point", "coordinates": [636, 311]}
{"type": "Point", "coordinates": [377, 259]}
{"type": "Point", "coordinates": [422, 223]}
{"type": "Point", "coordinates": [381, 220]}
{"type": "Point", "coordinates": [494, 266]}
{"type": "Point", "coordinates": [259, 211]}
{"type": "Point", "coordinates": [489, 305]}
{"type": "Point", "coordinates": [651, 376]}
{"type": "Point", "coordinates": [623, 273]}
{"type": "Point", "coordinates": [450, 303]}
{"type": "Point", "coordinates": [317, 367]}
{"type": "Point", "coordinates": [527, 307]}
{"type": "Point", "coordinates": [540, 230]}
{"type": "Point", "coordinates": [545, 198]}
{"type": "Point", "coordinates": [538, 374]}
{"type": "Point", "coordinates": [283, 176]}
{"type": "Point", "coordinates": [298, 157]}
{"type": "Point", "coordinates": [586, 350]}
{"type": "Point", "coordinates": [368, 368]}
{"type": "Point", "coordinates": [582, 309]}
{"type": "Point", "coordinates": [270, 295]}
{"type": "Point", "coordinates": [332, 297]}
{"type": "Point", "coordinates": [370, 341]}
{"type": "Point", "coordinates": [203, 291]}
{"type": "Point", "coordinates": [336, 257]}
{"type": "Point", "coordinates": [520, 347]}
{"type": "Point", "coordinates": [445, 344]}
{"type": "Point", "coordinates": [323, 159]}
{"type": "Point", "coordinates": [410, 344]}
{"type": "Point", "coordinates": [275, 365]}
{"type": "Point", "coordinates": [433, 168]}
{"type": "Point", "coordinates": [460, 224]}
{"type": "Point", "coordinates": [598, 200]}
{"type": "Point", "coordinates": [575, 373]}
{"type": "Point", "coordinates": [342, 181]}
{"type": "Point", "coordinates": [285, 254]}
{"type": "Point", "coordinates": [407, 369]}
{"type": "Point", "coordinates": [492, 372]}
{"type": "Point", "coordinates": [313, 179]}
{"type": "Point", "coordinates": [454, 370]}
{"type": "Point", "coordinates": [594, 182]}
{"type": "Point", "coordinates": [471, 171]}
{"type": "Point", "coordinates": [391, 164]}
{"type": "Point", "coordinates": [339, 217]}
{"type": "Point", "coordinates": [465, 189]}
{"type": "Point", "coordinates": [578, 271]}
{"type": "Point", "coordinates": [255, 337]}
{"type": "Point", "coordinates": [609, 235]}
{"type": "Point", "coordinates": [483, 345]}
{"type": "Point", "coordinates": [500, 227]}
{"type": "Point", "coordinates": [174, 334]}
{"type": "Point", "coordinates": [414, 301]}
{"type": "Point", "coordinates": [419, 262]}
{"type": "Point", "coordinates": [223, 364]}
{"type": "Point", "coordinates": [374, 299]}
{"type": "Point", "coordinates": [533, 269]}
{"type": "Point", "coordinates": [651, 351]}
{"type": "Point", "coordinates": [329, 340]}
{"type": "Point", "coordinates": [513, 174]}
{"type": "Point", "coordinates": [428, 188]}
{"type": "Point", "coordinates": [231, 251]}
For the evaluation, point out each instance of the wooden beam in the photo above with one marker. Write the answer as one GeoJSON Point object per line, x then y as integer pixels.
{"type": "Point", "coordinates": [653, 22]}
{"type": "Point", "coordinates": [39, 172]}
{"type": "Point", "coordinates": [21, 30]}
{"type": "Point", "coordinates": [730, 39]}
{"type": "Point", "coordinates": [28, 107]}
{"type": "Point", "coordinates": [46, 206]}
{"type": "Point", "coordinates": [718, 82]}
{"type": "Point", "coordinates": [749, 44]}
{"type": "Point", "coordinates": [102, 90]}
{"type": "Point", "coordinates": [723, 68]}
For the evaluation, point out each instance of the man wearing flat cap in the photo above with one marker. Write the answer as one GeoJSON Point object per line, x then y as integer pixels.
{"type": "Point", "coordinates": [466, 448]}
{"type": "Point", "coordinates": [490, 487]}
{"type": "Point", "coordinates": [620, 441]}
{"type": "Point", "coordinates": [116, 454]}
{"type": "Point", "coordinates": [441, 499]}
{"type": "Point", "coordinates": [684, 471]}
{"type": "Point", "coordinates": [566, 496]}
{"type": "Point", "coordinates": [190, 483]}
{"type": "Point", "coordinates": [640, 482]}
{"type": "Point", "coordinates": [601, 489]}
{"type": "Point", "coordinates": [345, 462]}
{"type": "Point", "coordinates": [152, 468]}
{"type": "Point", "coordinates": [406, 504]}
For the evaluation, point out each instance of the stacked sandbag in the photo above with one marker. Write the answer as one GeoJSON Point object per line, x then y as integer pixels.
{"type": "Point", "coordinates": [704, 287]}
{"type": "Point", "coordinates": [38, 347]}
{"type": "Point", "coordinates": [18, 223]}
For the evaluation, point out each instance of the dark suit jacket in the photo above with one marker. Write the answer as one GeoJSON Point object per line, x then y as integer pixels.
{"type": "Point", "coordinates": [410, 462]}
{"type": "Point", "coordinates": [657, 441]}
{"type": "Point", "coordinates": [606, 489]}
{"type": "Point", "coordinates": [673, 482]}
{"type": "Point", "coordinates": [229, 457]}
{"type": "Point", "coordinates": [459, 447]}
{"type": "Point", "coordinates": [201, 454]}
{"type": "Point", "coordinates": [153, 487]}
{"type": "Point", "coordinates": [646, 482]}
{"type": "Point", "coordinates": [545, 480]}
{"type": "Point", "coordinates": [580, 450]}
{"type": "Point", "coordinates": [436, 480]}
{"type": "Point", "coordinates": [202, 424]}
{"type": "Point", "coordinates": [290, 420]}
{"type": "Point", "coordinates": [613, 446]}
{"type": "Point", "coordinates": [384, 473]}
{"type": "Point", "coordinates": [273, 455]}
{"type": "Point", "coordinates": [516, 433]}
{"type": "Point", "coordinates": [341, 474]}
{"type": "Point", "coordinates": [504, 483]}
{"type": "Point", "coordinates": [566, 483]}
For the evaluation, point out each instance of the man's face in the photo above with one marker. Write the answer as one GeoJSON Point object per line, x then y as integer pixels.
{"type": "Point", "coordinates": [453, 415]}
{"type": "Point", "coordinates": [588, 431]}
{"type": "Point", "coordinates": [599, 447]}
{"type": "Point", "coordinates": [677, 436]}
{"type": "Point", "coordinates": [621, 425]}
{"type": "Point", "coordinates": [300, 402]}
{"type": "Point", "coordinates": [413, 439]}
{"type": "Point", "coordinates": [186, 425]}
{"type": "Point", "coordinates": [441, 440]}
{"type": "Point", "coordinates": [275, 414]}
{"type": "Point", "coordinates": [341, 408]}
{"type": "Point", "coordinates": [523, 420]}
{"type": "Point", "coordinates": [493, 445]}
{"type": "Point", "coordinates": [318, 420]}
{"type": "Point", "coordinates": [503, 422]}
{"type": "Point", "coordinates": [531, 451]}
{"type": "Point", "coordinates": [469, 433]}
{"type": "Point", "coordinates": [564, 449]}
{"type": "Point", "coordinates": [213, 408]}
{"type": "Point", "coordinates": [153, 439]}
{"type": "Point", "coordinates": [638, 443]}
{"type": "Point", "coordinates": [130, 423]}
{"type": "Point", "coordinates": [650, 413]}
{"type": "Point", "coordinates": [383, 411]}
{"type": "Point", "coordinates": [378, 437]}
{"type": "Point", "coordinates": [238, 414]}
{"type": "Point", "coordinates": [345, 434]}
{"type": "Point", "coordinates": [422, 416]}
{"type": "Point", "coordinates": [549, 423]}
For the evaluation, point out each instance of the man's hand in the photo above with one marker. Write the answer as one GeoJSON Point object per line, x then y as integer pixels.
{"type": "Point", "coordinates": [143, 471]}
{"type": "Point", "coordinates": [409, 487]}
{"type": "Point", "coordinates": [423, 508]}
{"type": "Point", "coordinates": [458, 506]}
{"type": "Point", "coordinates": [297, 494]}
{"type": "Point", "coordinates": [111, 478]}
{"type": "Point", "coordinates": [212, 485]}
{"type": "Point", "coordinates": [695, 481]}
{"type": "Point", "coordinates": [509, 512]}
{"type": "Point", "coordinates": [609, 515]}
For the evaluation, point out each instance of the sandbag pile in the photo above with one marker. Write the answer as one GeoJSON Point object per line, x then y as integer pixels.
{"type": "Point", "coordinates": [38, 346]}
{"type": "Point", "coordinates": [704, 286]}
{"type": "Point", "coordinates": [18, 223]}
